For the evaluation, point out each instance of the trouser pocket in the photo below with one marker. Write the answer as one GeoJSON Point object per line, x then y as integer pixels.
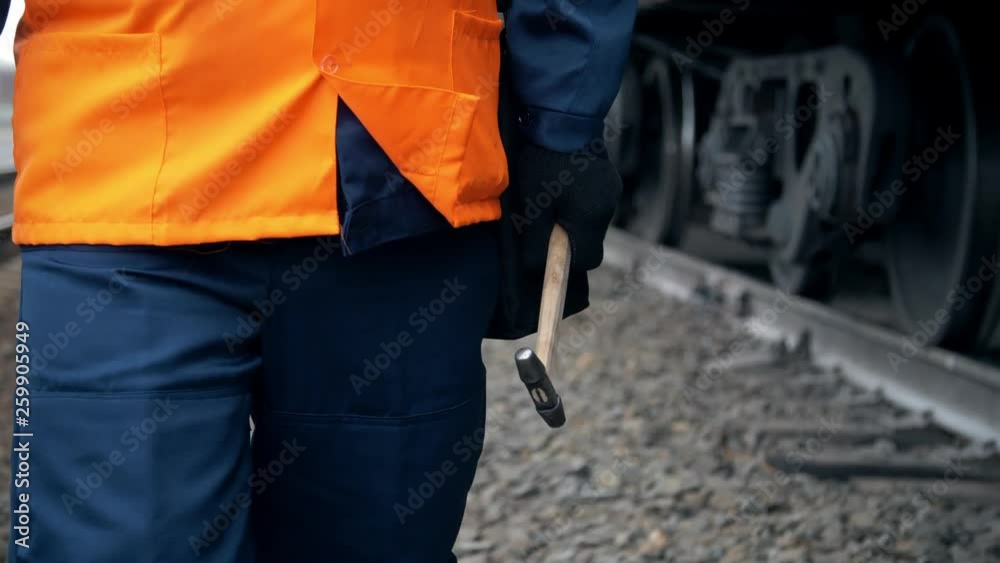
{"type": "Point", "coordinates": [365, 489]}
{"type": "Point", "coordinates": [132, 477]}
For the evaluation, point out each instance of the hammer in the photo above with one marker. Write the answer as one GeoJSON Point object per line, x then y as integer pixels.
{"type": "Point", "coordinates": [534, 369]}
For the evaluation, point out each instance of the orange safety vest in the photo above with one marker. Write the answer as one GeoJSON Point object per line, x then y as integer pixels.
{"type": "Point", "coordinates": [153, 122]}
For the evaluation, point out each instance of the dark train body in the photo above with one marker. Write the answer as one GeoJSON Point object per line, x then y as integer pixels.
{"type": "Point", "coordinates": [820, 133]}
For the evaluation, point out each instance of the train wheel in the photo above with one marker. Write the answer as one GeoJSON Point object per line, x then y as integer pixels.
{"type": "Point", "coordinates": [979, 49]}
{"type": "Point", "coordinates": [946, 220]}
{"type": "Point", "coordinates": [657, 205]}
{"type": "Point", "coordinates": [811, 274]}
{"type": "Point", "coordinates": [815, 281]}
{"type": "Point", "coordinates": [621, 135]}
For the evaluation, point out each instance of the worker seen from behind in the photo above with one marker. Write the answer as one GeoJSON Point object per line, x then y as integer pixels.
{"type": "Point", "coordinates": [284, 212]}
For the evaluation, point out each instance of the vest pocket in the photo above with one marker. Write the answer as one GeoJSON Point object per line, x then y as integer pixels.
{"type": "Point", "coordinates": [88, 115]}
{"type": "Point", "coordinates": [475, 55]}
{"type": "Point", "coordinates": [475, 62]}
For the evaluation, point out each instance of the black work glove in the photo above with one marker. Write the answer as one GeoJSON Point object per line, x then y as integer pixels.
{"type": "Point", "coordinates": [579, 191]}
{"type": "Point", "coordinates": [586, 188]}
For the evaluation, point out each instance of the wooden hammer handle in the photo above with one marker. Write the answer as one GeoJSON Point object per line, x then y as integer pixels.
{"type": "Point", "coordinates": [553, 297]}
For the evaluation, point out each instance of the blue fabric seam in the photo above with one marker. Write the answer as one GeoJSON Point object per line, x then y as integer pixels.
{"type": "Point", "coordinates": [371, 418]}
{"type": "Point", "coordinates": [189, 394]}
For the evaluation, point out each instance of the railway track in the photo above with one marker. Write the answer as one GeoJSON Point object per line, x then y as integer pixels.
{"type": "Point", "coordinates": [855, 402]}
{"type": "Point", "coordinates": [959, 393]}
{"type": "Point", "coordinates": [701, 429]}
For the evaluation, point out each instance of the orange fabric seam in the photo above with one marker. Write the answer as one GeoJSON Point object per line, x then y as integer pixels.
{"type": "Point", "coordinates": [166, 136]}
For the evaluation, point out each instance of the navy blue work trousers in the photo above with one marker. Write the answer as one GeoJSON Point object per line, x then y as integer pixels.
{"type": "Point", "coordinates": [362, 375]}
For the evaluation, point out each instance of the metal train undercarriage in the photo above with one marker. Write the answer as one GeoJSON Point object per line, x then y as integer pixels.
{"type": "Point", "coordinates": [821, 134]}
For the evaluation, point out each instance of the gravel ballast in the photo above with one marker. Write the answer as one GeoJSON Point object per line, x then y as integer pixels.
{"type": "Point", "coordinates": [671, 412]}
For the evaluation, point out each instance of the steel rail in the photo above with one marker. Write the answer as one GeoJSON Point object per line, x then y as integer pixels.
{"type": "Point", "coordinates": [959, 393]}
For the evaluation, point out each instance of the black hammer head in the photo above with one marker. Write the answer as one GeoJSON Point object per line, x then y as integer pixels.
{"type": "Point", "coordinates": [536, 378]}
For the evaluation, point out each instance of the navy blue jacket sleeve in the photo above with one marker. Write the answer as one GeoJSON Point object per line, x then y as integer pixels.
{"type": "Point", "coordinates": [4, 11]}
{"type": "Point", "coordinates": [567, 60]}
